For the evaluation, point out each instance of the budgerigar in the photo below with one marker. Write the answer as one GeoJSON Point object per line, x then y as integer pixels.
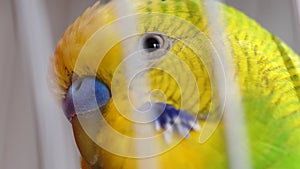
{"type": "Point", "coordinates": [139, 98]}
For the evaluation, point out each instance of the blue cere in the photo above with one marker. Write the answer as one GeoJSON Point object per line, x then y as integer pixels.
{"type": "Point", "coordinates": [85, 94]}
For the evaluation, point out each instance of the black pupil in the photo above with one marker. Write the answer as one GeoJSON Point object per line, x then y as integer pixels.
{"type": "Point", "coordinates": [151, 44]}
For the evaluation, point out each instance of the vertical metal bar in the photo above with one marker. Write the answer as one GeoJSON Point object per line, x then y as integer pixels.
{"type": "Point", "coordinates": [57, 148]}
{"type": "Point", "coordinates": [126, 8]}
{"type": "Point", "coordinates": [234, 122]}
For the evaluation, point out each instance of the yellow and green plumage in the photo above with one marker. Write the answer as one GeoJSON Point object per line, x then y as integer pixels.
{"type": "Point", "coordinates": [266, 70]}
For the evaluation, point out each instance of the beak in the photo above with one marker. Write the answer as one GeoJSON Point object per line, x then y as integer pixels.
{"type": "Point", "coordinates": [85, 94]}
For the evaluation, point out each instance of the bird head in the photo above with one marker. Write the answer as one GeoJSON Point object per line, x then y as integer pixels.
{"type": "Point", "coordinates": [135, 86]}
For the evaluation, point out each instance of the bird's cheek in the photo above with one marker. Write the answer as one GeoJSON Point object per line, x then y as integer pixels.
{"type": "Point", "coordinates": [116, 120]}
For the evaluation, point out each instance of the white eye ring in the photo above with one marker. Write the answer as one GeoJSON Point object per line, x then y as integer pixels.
{"type": "Point", "coordinates": [155, 45]}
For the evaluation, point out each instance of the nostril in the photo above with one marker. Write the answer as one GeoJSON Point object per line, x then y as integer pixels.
{"type": "Point", "coordinates": [77, 85]}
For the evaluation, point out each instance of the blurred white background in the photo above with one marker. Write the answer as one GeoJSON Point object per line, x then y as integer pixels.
{"type": "Point", "coordinates": [34, 133]}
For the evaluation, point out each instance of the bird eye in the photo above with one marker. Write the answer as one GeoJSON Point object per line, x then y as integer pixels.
{"type": "Point", "coordinates": [155, 44]}
{"type": "Point", "coordinates": [152, 43]}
